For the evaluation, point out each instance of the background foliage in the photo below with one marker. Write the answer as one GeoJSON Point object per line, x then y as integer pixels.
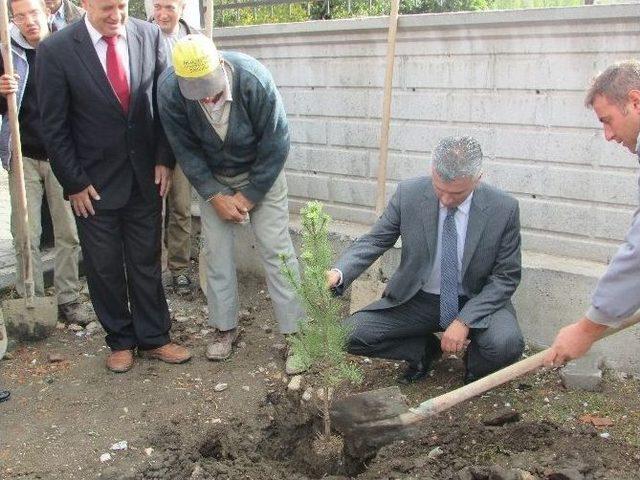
{"type": "Point", "coordinates": [334, 9]}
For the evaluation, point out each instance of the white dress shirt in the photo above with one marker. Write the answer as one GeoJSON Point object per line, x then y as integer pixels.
{"type": "Point", "coordinates": [101, 48]}
{"type": "Point", "coordinates": [462, 220]}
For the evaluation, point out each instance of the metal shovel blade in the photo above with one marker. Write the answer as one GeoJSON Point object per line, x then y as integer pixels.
{"type": "Point", "coordinates": [30, 322]}
{"type": "Point", "coordinates": [369, 420]}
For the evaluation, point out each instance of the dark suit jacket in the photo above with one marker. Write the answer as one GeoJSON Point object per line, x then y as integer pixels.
{"type": "Point", "coordinates": [490, 264]}
{"type": "Point", "coordinates": [88, 137]}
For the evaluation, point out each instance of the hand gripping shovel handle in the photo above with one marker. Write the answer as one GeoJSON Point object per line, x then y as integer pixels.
{"type": "Point", "coordinates": [449, 399]}
{"type": "Point", "coordinates": [23, 236]}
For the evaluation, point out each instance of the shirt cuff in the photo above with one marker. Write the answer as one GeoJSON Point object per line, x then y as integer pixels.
{"type": "Point", "coordinates": [339, 272]}
{"type": "Point", "coordinates": [596, 316]}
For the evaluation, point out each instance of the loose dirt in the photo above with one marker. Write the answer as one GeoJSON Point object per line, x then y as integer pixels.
{"type": "Point", "coordinates": [63, 416]}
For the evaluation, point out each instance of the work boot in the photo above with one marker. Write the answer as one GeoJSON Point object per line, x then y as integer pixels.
{"type": "Point", "coordinates": [169, 353]}
{"type": "Point", "coordinates": [120, 361]}
{"type": "Point", "coordinates": [76, 312]}
{"type": "Point", "coordinates": [182, 284]}
{"type": "Point", "coordinates": [221, 348]}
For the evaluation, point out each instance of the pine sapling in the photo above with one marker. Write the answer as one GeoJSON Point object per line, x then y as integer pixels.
{"type": "Point", "coordinates": [321, 340]}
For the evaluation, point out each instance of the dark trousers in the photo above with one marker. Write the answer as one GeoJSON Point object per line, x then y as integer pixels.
{"type": "Point", "coordinates": [404, 332]}
{"type": "Point", "coordinates": [121, 252]}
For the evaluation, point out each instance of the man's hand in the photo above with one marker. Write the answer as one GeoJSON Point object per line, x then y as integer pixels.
{"type": "Point", "coordinates": [164, 175]}
{"type": "Point", "coordinates": [9, 84]}
{"type": "Point", "coordinates": [81, 202]}
{"type": "Point", "coordinates": [573, 341]}
{"type": "Point", "coordinates": [245, 204]}
{"type": "Point", "coordinates": [228, 208]}
{"type": "Point", "coordinates": [454, 338]}
{"type": "Point", "coordinates": [333, 278]}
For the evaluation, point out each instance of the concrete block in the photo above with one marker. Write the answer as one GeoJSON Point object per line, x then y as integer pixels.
{"type": "Point", "coordinates": [569, 183]}
{"type": "Point", "coordinates": [308, 185]}
{"type": "Point", "coordinates": [583, 373]}
{"type": "Point", "coordinates": [308, 131]}
{"type": "Point", "coordinates": [355, 133]}
{"type": "Point", "coordinates": [580, 220]}
{"type": "Point", "coordinates": [588, 249]}
{"type": "Point", "coordinates": [334, 161]}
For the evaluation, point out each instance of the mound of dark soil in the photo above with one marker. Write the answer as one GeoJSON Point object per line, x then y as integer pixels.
{"type": "Point", "coordinates": [278, 444]}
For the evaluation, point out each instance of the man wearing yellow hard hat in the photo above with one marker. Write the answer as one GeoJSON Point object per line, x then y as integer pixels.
{"type": "Point", "coordinates": [227, 126]}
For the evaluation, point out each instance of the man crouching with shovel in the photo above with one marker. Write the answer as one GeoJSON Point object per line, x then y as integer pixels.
{"type": "Point", "coordinates": [460, 265]}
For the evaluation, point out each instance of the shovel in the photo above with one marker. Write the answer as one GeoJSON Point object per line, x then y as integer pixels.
{"type": "Point", "coordinates": [372, 419]}
{"type": "Point", "coordinates": [31, 318]}
{"type": "Point", "coordinates": [3, 337]}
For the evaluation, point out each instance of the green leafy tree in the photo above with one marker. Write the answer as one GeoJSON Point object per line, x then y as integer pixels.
{"type": "Point", "coordinates": [322, 338]}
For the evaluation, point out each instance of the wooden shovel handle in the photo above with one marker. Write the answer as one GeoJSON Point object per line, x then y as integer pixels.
{"type": "Point", "coordinates": [449, 399]}
{"type": "Point", "coordinates": [23, 237]}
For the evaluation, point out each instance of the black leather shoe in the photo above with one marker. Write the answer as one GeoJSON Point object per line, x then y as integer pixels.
{"type": "Point", "coordinates": [469, 377]}
{"type": "Point", "coordinates": [415, 373]}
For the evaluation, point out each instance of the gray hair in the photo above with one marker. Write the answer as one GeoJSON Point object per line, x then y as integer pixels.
{"type": "Point", "coordinates": [459, 157]}
{"type": "Point", "coordinates": [615, 83]}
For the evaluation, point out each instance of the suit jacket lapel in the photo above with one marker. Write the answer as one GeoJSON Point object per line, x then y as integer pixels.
{"type": "Point", "coordinates": [430, 208]}
{"type": "Point", "coordinates": [135, 63]}
{"type": "Point", "coordinates": [89, 57]}
{"type": "Point", "coordinates": [475, 227]}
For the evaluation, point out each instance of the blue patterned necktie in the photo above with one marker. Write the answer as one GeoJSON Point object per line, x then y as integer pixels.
{"type": "Point", "coordinates": [449, 270]}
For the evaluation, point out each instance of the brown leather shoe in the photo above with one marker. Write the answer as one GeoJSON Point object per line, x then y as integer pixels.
{"type": "Point", "coordinates": [120, 361]}
{"type": "Point", "coordinates": [170, 353]}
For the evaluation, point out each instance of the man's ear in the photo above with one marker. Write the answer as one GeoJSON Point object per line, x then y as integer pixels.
{"type": "Point", "coordinates": [634, 100]}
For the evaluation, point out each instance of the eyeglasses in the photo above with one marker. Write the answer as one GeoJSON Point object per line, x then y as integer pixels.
{"type": "Point", "coordinates": [22, 18]}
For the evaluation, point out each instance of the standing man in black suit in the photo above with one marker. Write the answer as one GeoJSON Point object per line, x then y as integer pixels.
{"type": "Point", "coordinates": [96, 83]}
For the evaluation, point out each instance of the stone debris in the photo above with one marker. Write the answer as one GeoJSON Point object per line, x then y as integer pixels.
{"type": "Point", "coordinates": [55, 357]}
{"type": "Point", "coordinates": [60, 326]}
{"type": "Point", "coordinates": [121, 445]}
{"type": "Point", "coordinates": [584, 373]}
{"type": "Point", "coordinates": [244, 315]}
{"type": "Point", "coordinates": [181, 318]}
{"type": "Point", "coordinates": [241, 344]}
{"type": "Point", "coordinates": [501, 417]}
{"type": "Point", "coordinates": [220, 387]}
{"type": "Point", "coordinates": [105, 457]}
{"type": "Point", "coordinates": [267, 328]}
{"type": "Point", "coordinates": [435, 452]}
{"type": "Point", "coordinates": [246, 388]}
{"type": "Point", "coordinates": [148, 451]}
{"type": "Point", "coordinates": [295, 384]}
{"type": "Point", "coordinates": [74, 327]}
{"type": "Point", "coordinates": [308, 394]}
{"type": "Point", "coordinates": [93, 327]}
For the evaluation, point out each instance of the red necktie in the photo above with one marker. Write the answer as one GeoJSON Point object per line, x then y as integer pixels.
{"type": "Point", "coordinates": [116, 73]}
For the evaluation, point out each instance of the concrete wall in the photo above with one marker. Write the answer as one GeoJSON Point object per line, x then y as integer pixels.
{"type": "Point", "coordinates": [513, 79]}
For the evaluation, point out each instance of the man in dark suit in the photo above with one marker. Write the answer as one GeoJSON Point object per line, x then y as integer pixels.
{"type": "Point", "coordinates": [96, 84]}
{"type": "Point", "coordinates": [460, 264]}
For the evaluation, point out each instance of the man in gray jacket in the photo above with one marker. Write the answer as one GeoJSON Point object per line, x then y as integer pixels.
{"type": "Point", "coordinates": [225, 121]}
{"type": "Point", "coordinates": [459, 267]}
{"type": "Point", "coordinates": [615, 98]}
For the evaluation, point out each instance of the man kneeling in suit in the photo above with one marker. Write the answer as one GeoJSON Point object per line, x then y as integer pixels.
{"type": "Point", "coordinates": [460, 264]}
